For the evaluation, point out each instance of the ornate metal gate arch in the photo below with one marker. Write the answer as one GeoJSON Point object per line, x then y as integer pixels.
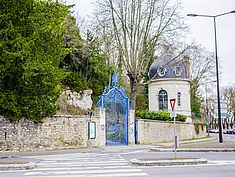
{"type": "Point", "coordinates": [116, 103]}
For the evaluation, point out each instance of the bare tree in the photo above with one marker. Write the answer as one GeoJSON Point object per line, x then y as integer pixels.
{"type": "Point", "coordinates": [229, 94]}
{"type": "Point", "coordinates": [138, 27]}
{"type": "Point", "coordinates": [202, 73]}
{"type": "Point", "coordinates": [202, 65]}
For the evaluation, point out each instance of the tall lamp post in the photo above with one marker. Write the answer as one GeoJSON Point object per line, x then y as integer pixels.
{"type": "Point", "coordinates": [217, 67]}
{"type": "Point", "coordinates": [207, 115]}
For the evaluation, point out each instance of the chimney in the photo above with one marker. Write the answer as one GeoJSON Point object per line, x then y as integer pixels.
{"type": "Point", "coordinates": [186, 62]}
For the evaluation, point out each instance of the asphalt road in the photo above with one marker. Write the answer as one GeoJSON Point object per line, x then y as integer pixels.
{"type": "Point", "coordinates": [115, 162]}
{"type": "Point", "coordinates": [226, 137]}
{"type": "Point", "coordinates": [219, 164]}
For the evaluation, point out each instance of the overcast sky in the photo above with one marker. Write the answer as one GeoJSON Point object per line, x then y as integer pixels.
{"type": "Point", "coordinates": [202, 29]}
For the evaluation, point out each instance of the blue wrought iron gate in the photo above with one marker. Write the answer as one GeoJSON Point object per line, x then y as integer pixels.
{"type": "Point", "coordinates": [116, 103]}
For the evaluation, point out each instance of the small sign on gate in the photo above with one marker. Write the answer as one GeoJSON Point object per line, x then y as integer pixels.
{"type": "Point", "coordinates": [91, 130]}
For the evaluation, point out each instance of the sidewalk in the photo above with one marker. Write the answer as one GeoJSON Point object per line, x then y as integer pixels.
{"type": "Point", "coordinates": [15, 163]}
{"type": "Point", "coordinates": [205, 145]}
{"type": "Point", "coordinates": [187, 142]}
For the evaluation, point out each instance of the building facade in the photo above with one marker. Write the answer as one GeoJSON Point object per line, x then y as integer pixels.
{"type": "Point", "coordinates": [169, 78]}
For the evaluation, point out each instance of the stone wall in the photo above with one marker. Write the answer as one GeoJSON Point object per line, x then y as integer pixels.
{"type": "Point", "coordinates": [66, 131]}
{"type": "Point", "coordinates": [152, 131]}
{"type": "Point", "coordinates": [58, 132]}
{"type": "Point", "coordinates": [81, 100]}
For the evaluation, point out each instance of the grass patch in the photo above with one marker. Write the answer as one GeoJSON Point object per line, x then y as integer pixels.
{"type": "Point", "coordinates": [202, 138]}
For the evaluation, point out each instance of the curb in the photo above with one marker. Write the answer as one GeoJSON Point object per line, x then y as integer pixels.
{"type": "Point", "coordinates": [25, 166]}
{"type": "Point", "coordinates": [194, 150]}
{"type": "Point", "coordinates": [168, 162]}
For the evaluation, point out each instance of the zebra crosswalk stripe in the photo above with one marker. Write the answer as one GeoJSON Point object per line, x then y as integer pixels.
{"type": "Point", "coordinates": [86, 166]}
{"type": "Point", "coordinates": [102, 175]}
{"type": "Point", "coordinates": [84, 172]}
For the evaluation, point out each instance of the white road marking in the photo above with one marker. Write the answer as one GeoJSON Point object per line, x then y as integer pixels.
{"type": "Point", "coordinates": [83, 162]}
{"type": "Point", "coordinates": [84, 165]}
{"type": "Point", "coordinates": [132, 152]}
{"type": "Point", "coordinates": [84, 172]}
{"type": "Point", "coordinates": [13, 171]}
{"type": "Point", "coordinates": [102, 175]}
{"type": "Point", "coordinates": [81, 168]}
{"type": "Point", "coordinates": [87, 165]}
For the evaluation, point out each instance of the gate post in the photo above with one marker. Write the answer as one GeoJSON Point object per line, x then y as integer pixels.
{"type": "Point", "coordinates": [131, 127]}
{"type": "Point", "coordinates": [102, 127]}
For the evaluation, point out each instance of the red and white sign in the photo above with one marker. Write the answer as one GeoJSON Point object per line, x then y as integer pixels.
{"type": "Point", "coordinates": [172, 102]}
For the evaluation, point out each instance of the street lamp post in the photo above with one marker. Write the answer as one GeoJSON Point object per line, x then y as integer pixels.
{"type": "Point", "coordinates": [217, 67]}
{"type": "Point", "coordinates": [207, 115]}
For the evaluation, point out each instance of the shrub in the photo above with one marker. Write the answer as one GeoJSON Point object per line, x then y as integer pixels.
{"type": "Point", "coordinates": [181, 117]}
{"type": "Point", "coordinates": [164, 116]}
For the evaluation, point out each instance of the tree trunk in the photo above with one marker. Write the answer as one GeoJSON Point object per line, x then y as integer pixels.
{"type": "Point", "coordinates": [133, 85]}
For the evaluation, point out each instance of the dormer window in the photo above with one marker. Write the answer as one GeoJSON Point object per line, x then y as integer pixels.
{"type": "Point", "coordinates": [178, 70]}
{"type": "Point", "coordinates": [161, 71]}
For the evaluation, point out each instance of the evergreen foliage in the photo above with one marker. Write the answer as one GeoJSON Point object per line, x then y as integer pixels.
{"type": "Point", "coordinates": [195, 98]}
{"type": "Point", "coordinates": [41, 50]}
{"type": "Point", "coordinates": [86, 67]}
{"type": "Point", "coordinates": [31, 48]}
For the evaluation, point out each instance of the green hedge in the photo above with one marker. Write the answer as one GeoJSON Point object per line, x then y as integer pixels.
{"type": "Point", "coordinates": [164, 116]}
{"type": "Point", "coordinates": [181, 117]}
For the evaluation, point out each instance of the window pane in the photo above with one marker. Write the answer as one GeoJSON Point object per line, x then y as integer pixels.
{"type": "Point", "coordinates": [163, 100]}
{"type": "Point", "coordinates": [179, 99]}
